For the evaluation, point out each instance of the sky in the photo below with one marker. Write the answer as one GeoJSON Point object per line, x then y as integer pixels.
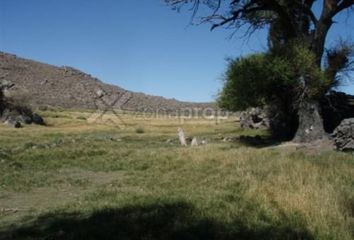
{"type": "Point", "coordinates": [140, 45]}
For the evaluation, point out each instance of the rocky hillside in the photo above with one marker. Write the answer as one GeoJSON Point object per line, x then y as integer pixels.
{"type": "Point", "coordinates": [40, 84]}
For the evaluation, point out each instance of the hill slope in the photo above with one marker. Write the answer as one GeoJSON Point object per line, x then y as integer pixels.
{"type": "Point", "coordinates": [46, 85]}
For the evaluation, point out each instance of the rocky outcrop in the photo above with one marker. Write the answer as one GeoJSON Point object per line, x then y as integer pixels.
{"type": "Point", "coordinates": [343, 135]}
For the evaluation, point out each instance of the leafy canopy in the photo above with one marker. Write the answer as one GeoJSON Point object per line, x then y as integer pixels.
{"type": "Point", "coordinates": [276, 76]}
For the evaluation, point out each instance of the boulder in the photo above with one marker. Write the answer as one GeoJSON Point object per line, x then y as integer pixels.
{"type": "Point", "coordinates": [37, 119]}
{"type": "Point", "coordinates": [255, 118]}
{"type": "Point", "coordinates": [13, 123]}
{"type": "Point", "coordinates": [12, 114]}
{"type": "Point", "coordinates": [17, 124]}
{"type": "Point", "coordinates": [181, 136]}
{"type": "Point", "coordinates": [194, 142]}
{"type": "Point", "coordinates": [24, 119]}
{"type": "Point", "coordinates": [5, 114]}
{"type": "Point", "coordinates": [343, 135]}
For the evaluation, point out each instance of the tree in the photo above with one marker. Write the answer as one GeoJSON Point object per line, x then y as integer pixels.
{"type": "Point", "coordinates": [295, 33]}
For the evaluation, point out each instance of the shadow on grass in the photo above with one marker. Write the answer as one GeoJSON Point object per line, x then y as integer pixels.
{"type": "Point", "coordinates": [159, 221]}
{"type": "Point", "coordinates": [258, 141]}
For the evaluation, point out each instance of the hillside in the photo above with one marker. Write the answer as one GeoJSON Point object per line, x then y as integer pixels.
{"type": "Point", "coordinates": [40, 84]}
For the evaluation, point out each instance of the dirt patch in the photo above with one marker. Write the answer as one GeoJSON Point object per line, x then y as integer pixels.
{"type": "Point", "coordinates": [315, 147]}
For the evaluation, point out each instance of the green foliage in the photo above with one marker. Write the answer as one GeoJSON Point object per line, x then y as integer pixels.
{"type": "Point", "coordinates": [285, 72]}
{"type": "Point", "coordinates": [338, 62]}
{"type": "Point", "coordinates": [243, 79]}
{"type": "Point", "coordinates": [308, 80]}
{"type": "Point", "coordinates": [254, 81]}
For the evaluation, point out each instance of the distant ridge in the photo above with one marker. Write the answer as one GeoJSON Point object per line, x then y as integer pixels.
{"type": "Point", "coordinates": [47, 85]}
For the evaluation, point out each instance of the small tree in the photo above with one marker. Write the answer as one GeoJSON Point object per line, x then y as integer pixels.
{"type": "Point", "coordinates": [296, 51]}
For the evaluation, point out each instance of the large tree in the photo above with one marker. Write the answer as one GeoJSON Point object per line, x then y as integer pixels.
{"type": "Point", "coordinates": [294, 29]}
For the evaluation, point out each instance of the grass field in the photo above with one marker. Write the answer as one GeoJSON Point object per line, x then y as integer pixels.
{"type": "Point", "coordinates": [78, 180]}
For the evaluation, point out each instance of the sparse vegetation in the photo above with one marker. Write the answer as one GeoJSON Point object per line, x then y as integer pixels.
{"type": "Point", "coordinates": [75, 180]}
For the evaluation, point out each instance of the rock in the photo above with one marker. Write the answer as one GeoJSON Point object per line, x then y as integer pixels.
{"type": "Point", "coordinates": [13, 123]}
{"type": "Point", "coordinates": [17, 125]}
{"type": "Point", "coordinates": [254, 118]}
{"type": "Point", "coordinates": [230, 139]}
{"type": "Point", "coordinates": [5, 84]}
{"type": "Point", "coordinates": [44, 82]}
{"type": "Point", "coordinates": [24, 119]}
{"type": "Point", "coordinates": [6, 115]}
{"type": "Point", "coordinates": [189, 140]}
{"type": "Point", "coordinates": [100, 93]}
{"type": "Point", "coordinates": [194, 142]}
{"type": "Point", "coordinates": [15, 114]}
{"type": "Point", "coordinates": [37, 119]}
{"type": "Point", "coordinates": [181, 136]}
{"type": "Point", "coordinates": [343, 135]}
{"type": "Point", "coordinates": [12, 116]}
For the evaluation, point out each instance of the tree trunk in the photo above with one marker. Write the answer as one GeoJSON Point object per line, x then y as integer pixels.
{"type": "Point", "coordinates": [310, 123]}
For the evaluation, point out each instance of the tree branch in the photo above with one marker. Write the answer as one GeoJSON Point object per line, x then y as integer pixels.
{"type": "Point", "coordinates": [344, 5]}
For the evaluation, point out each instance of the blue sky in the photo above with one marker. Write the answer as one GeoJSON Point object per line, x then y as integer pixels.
{"type": "Point", "coordinates": [140, 45]}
